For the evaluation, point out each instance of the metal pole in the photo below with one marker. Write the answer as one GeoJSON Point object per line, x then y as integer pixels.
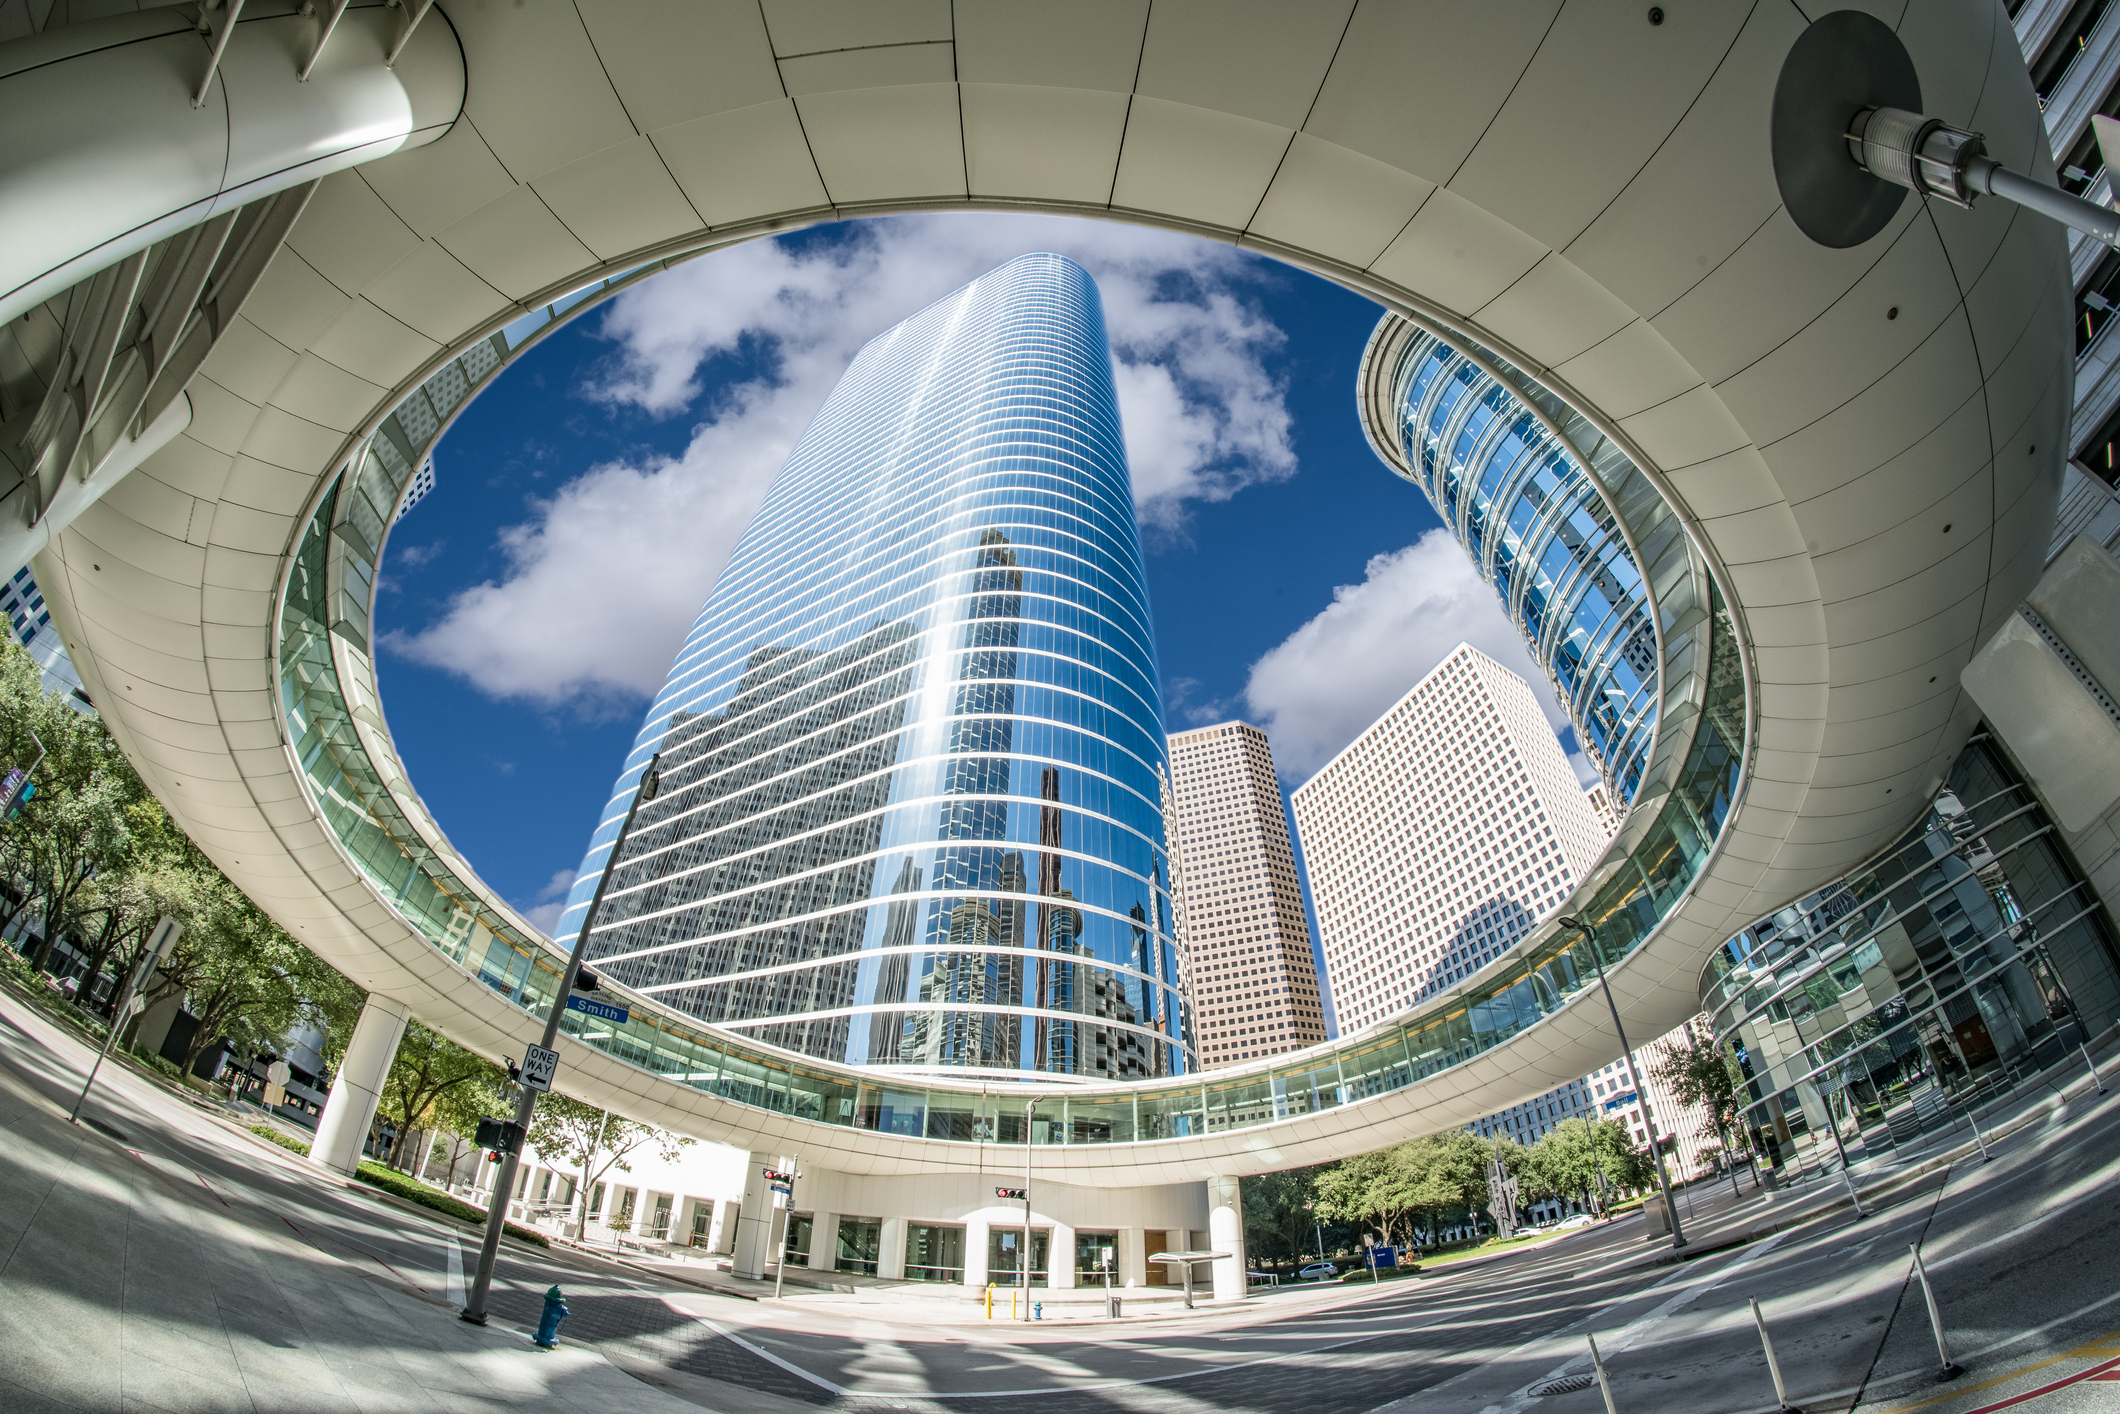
{"type": "Point", "coordinates": [1028, 1106]}
{"type": "Point", "coordinates": [504, 1184]}
{"type": "Point", "coordinates": [1781, 1391]}
{"type": "Point", "coordinates": [1978, 1138]}
{"type": "Point", "coordinates": [1663, 1179]}
{"type": "Point", "coordinates": [1604, 1382]}
{"type": "Point", "coordinates": [2068, 999]}
{"type": "Point", "coordinates": [787, 1221]}
{"type": "Point", "coordinates": [1847, 1176]}
{"type": "Point", "coordinates": [1951, 1370]}
{"type": "Point", "coordinates": [157, 950]}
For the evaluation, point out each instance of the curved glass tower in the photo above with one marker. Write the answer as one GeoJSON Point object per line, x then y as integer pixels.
{"type": "Point", "coordinates": [1520, 500]}
{"type": "Point", "coordinates": [913, 756]}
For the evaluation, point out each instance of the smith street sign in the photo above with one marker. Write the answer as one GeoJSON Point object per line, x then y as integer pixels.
{"type": "Point", "coordinates": [602, 1011]}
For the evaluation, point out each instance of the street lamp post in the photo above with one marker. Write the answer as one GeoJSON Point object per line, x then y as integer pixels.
{"type": "Point", "coordinates": [504, 1185]}
{"type": "Point", "coordinates": [1029, 1107]}
{"type": "Point", "coordinates": [1634, 1078]}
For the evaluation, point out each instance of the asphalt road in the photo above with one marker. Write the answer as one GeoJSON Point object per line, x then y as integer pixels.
{"type": "Point", "coordinates": [2020, 1250]}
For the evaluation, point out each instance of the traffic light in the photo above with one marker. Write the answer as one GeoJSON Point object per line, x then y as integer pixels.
{"type": "Point", "coordinates": [499, 1136]}
{"type": "Point", "coordinates": [584, 980]}
{"type": "Point", "coordinates": [1017, 1193]}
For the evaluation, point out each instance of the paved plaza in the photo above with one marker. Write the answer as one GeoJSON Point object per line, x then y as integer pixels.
{"type": "Point", "coordinates": [159, 1258]}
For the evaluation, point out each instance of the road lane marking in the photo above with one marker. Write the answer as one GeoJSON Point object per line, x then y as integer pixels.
{"type": "Point", "coordinates": [455, 1254]}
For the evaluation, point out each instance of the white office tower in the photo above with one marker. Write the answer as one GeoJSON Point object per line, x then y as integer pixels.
{"type": "Point", "coordinates": [1601, 806]}
{"type": "Point", "coordinates": [1254, 984]}
{"type": "Point", "coordinates": [1439, 836]}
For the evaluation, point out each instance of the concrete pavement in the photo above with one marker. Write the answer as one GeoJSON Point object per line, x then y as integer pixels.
{"type": "Point", "coordinates": [170, 1261]}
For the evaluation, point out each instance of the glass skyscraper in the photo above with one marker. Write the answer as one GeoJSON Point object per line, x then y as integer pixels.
{"type": "Point", "coordinates": [913, 758]}
{"type": "Point", "coordinates": [1525, 505]}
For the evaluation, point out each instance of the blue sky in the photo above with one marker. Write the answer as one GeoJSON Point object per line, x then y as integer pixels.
{"type": "Point", "coordinates": [531, 604]}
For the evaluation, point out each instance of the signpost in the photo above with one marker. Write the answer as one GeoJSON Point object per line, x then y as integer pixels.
{"type": "Point", "coordinates": [601, 1010]}
{"type": "Point", "coordinates": [783, 1183]}
{"type": "Point", "coordinates": [541, 1062]}
{"type": "Point", "coordinates": [160, 944]}
{"type": "Point", "coordinates": [539, 1066]}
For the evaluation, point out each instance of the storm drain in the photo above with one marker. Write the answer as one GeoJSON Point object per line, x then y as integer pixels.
{"type": "Point", "coordinates": [1566, 1386]}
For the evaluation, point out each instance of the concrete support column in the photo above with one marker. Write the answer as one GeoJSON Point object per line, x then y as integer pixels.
{"type": "Point", "coordinates": [357, 1087]}
{"type": "Point", "coordinates": [975, 1275]}
{"type": "Point", "coordinates": [1060, 1258]}
{"type": "Point", "coordinates": [721, 1229]}
{"type": "Point", "coordinates": [824, 1241]}
{"type": "Point", "coordinates": [890, 1251]}
{"type": "Point", "coordinates": [1133, 1258]}
{"type": "Point", "coordinates": [757, 1222]}
{"type": "Point", "coordinates": [1225, 1233]}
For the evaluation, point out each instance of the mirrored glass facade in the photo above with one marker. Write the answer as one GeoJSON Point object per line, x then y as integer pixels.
{"type": "Point", "coordinates": [1521, 502]}
{"type": "Point", "coordinates": [1971, 956]}
{"type": "Point", "coordinates": [912, 754]}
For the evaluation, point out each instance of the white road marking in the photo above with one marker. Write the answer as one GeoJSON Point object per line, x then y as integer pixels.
{"type": "Point", "coordinates": [455, 1255]}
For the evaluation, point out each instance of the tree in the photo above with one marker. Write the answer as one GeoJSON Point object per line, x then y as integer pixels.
{"type": "Point", "coordinates": [1279, 1221]}
{"type": "Point", "coordinates": [594, 1141]}
{"type": "Point", "coordinates": [1699, 1072]}
{"type": "Point", "coordinates": [426, 1068]}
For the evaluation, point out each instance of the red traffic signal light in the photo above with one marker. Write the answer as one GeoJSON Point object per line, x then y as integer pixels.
{"type": "Point", "coordinates": [1017, 1193]}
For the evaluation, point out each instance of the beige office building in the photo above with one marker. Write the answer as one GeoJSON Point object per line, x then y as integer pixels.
{"type": "Point", "coordinates": [1254, 984]}
{"type": "Point", "coordinates": [1439, 836]}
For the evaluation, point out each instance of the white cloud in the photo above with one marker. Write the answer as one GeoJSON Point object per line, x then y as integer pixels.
{"type": "Point", "coordinates": [551, 902]}
{"type": "Point", "coordinates": [604, 578]}
{"type": "Point", "coordinates": [1317, 689]}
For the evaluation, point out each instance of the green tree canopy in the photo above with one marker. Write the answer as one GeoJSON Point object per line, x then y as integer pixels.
{"type": "Point", "coordinates": [591, 1141]}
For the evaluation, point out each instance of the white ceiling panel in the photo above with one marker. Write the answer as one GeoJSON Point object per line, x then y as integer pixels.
{"type": "Point", "coordinates": [1909, 484]}
{"type": "Point", "coordinates": [739, 166]}
{"type": "Point", "coordinates": [1688, 430]}
{"type": "Point", "coordinates": [1601, 69]}
{"type": "Point", "coordinates": [1196, 164]}
{"type": "Point", "coordinates": [349, 234]}
{"type": "Point", "coordinates": [1628, 372]}
{"type": "Point", "coordinates": [1451, 63]}
{"type": "Point", "coordinates": [1706, 189]}
{"type": "Point", "coordinates": [373, 345]}
{"type": "Point", "coordinates": [150, 503]}
{"type": "Point", "coordinates": [1777, 282]}
{"type": "Point", "coordinates": [1335, 201]}
{"type": "Point", "coordinates": [265, 487]}
{"type": "Point", "coordinates": [432, 292]}
{"type": "Point", "coordinates": [1084, 44]}
{"type": "Point", "coordinates": [1555, 312]}
{"type": "Point", "coordinates": [887, 67]}
{"type": "Point", "coordinates": [516, 245]}
{"type": "Point", "coordinates": [191, 467]}
{"type": "Point", "coordinates": [619, 201]}
{"type": "Point", "coordinates": [1456, 254]}
{"type": "Point", "coordinates": [675, 60]}
{"type": "Point", "coordinates": [1062, 143]}
{"type": "Point", "coordinates": [557, 105]}
{"type": "Point", "coordinates": [808, 26]}
{"type": "Point", "coordinates": [219, 419]}
{"type": "Point", "coordinates": [886, 144]}
{"type": "Point", "coordinates": [279, 437]}
{"type": "Point", "coordinates": [299, 303]}
{"type": "Point", "coordinates": [1917, 396]}
{"type": "Point", "coordinates": [326, 394]}
{"type": "Point", "coordinates": [436, 186]}
{"type": "Point", "coordinates": [1258, 59]}
{"type": "Point", "coordinates": [247, 361]}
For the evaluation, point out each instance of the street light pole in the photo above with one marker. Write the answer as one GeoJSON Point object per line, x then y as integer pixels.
{"type": "Point", "coordinates": [504, 1185]}
{"type": "Point", "coordinates": [1029, 1106]}
{"type": "Point", "coordinates": [1663, 1179]}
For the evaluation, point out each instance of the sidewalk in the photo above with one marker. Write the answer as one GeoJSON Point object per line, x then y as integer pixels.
{"type": "Point", "coordinates": [130, 1280]}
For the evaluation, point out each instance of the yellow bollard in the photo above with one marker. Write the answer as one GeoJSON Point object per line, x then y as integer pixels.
{"type": "Point", "coordinates": [990, 1301]}
{"type": "Point", "coordinates": [1012, 1303]}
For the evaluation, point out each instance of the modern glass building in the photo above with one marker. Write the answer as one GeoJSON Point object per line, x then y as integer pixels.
{"type": "Point", "coordinates": [1970, 957]}
{"type": "Point", "coordinates": [1526, 504]}
{"type": "Point", "coordinates": [913, 758]}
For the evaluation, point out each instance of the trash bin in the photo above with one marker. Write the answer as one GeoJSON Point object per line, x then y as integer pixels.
{"type": "Point", "coordinates": [1111, 1307]}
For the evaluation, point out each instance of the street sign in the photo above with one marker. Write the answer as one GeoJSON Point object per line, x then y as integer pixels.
{"type": "Point", "coordinates": [278, 1073]}
{"type": "Point", "coordinates": [601, 1010]}
{"type": "Point", "coordinates": [539, 1066]}
{"type": "Point", "coordinates": [135, 1004]}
